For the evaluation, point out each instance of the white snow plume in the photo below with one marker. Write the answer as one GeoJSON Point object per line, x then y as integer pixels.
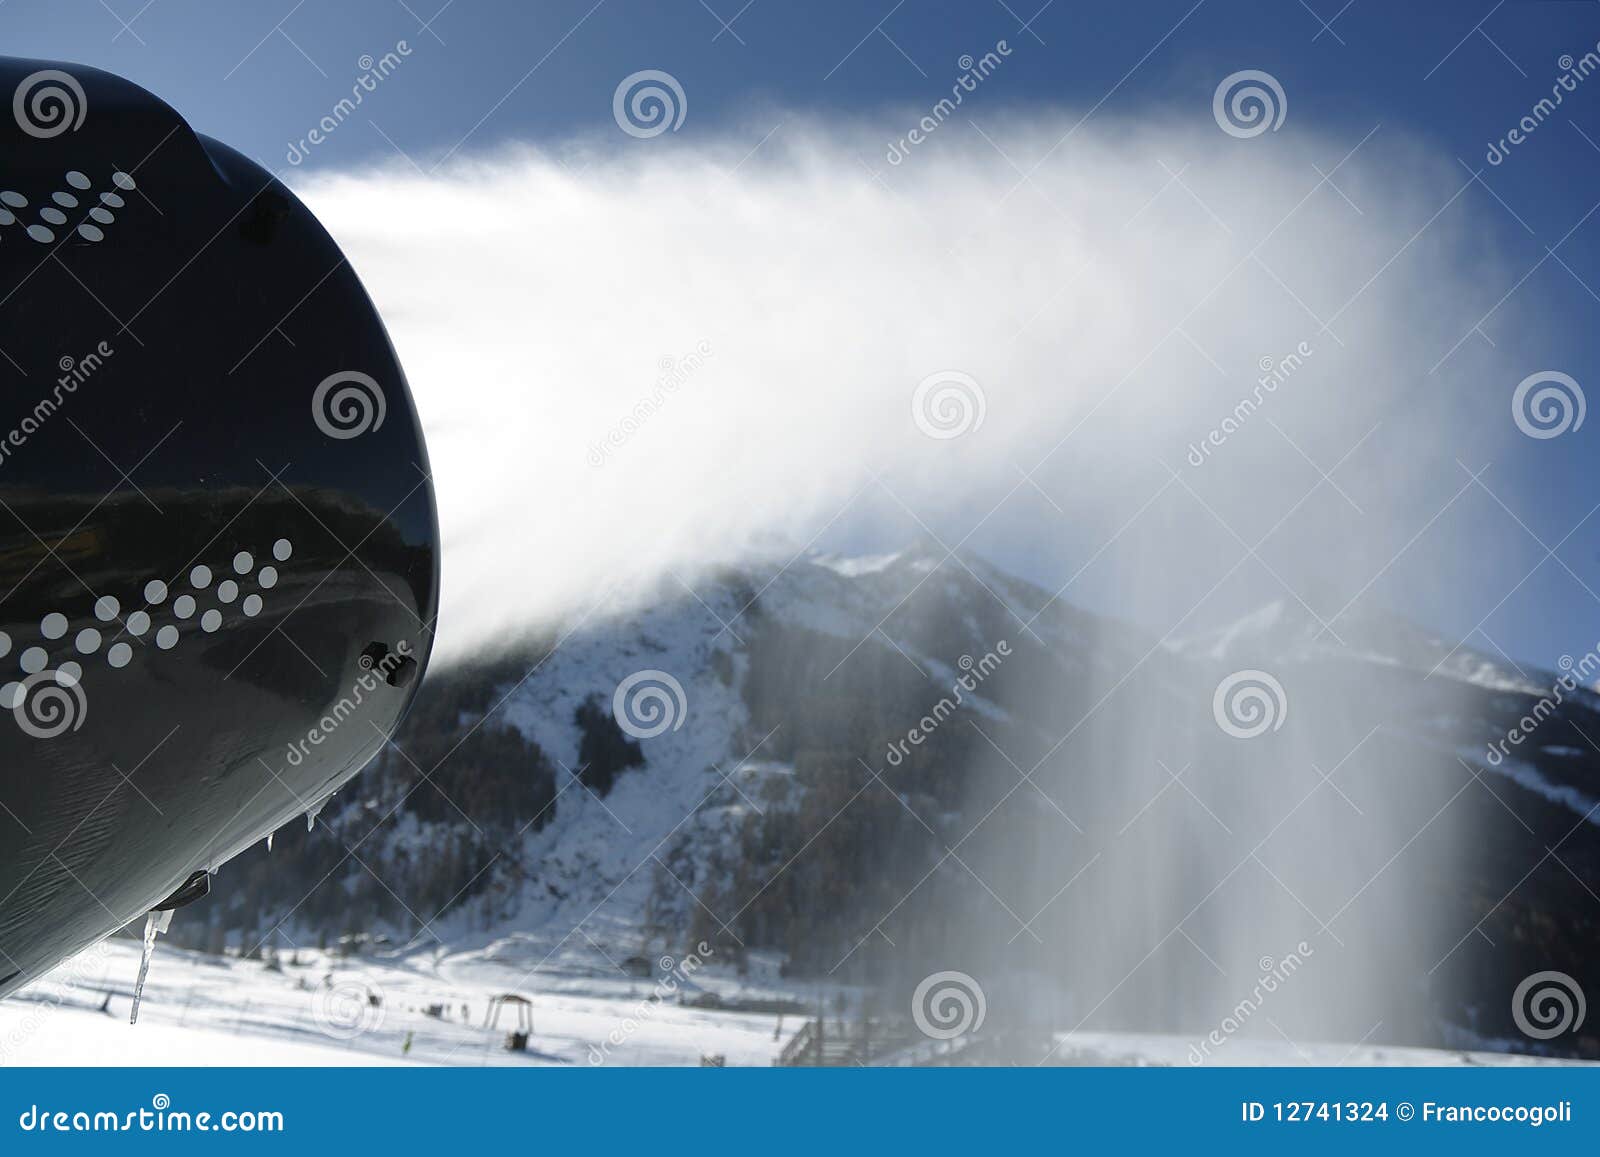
{"type": "Point", "coordinates": [639, 362]}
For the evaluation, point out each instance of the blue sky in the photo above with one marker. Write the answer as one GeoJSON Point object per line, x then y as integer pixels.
{"type": "Point", "coordinates": [1455, 76]}
{"type": "Point", "coordinates": [486, 71]}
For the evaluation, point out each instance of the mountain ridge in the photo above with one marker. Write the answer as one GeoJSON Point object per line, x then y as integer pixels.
{"type": "Point", "coordinates": [514, 819]}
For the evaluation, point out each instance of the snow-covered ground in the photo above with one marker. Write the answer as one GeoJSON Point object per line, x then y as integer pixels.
{"type": "Point", "coordinates": [1112, 1048]}
{"type": "Point", "coordinates": [199, 1010]}
{"type": "Point", "coordinates": [325, 1011]}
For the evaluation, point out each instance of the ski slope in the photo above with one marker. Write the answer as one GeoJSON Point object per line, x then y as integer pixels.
{"type": "Point", "coordinates": [200, 1010]}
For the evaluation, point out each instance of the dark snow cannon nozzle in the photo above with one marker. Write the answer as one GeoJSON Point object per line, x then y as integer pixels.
{"type": "Point", "coordinates": [214, 496]}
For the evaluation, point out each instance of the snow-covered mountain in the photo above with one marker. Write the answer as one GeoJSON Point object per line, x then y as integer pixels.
{"type": "Point", "coordinates": [864, 770]}
{"type": "Point", "coordinates": [1284, 630]}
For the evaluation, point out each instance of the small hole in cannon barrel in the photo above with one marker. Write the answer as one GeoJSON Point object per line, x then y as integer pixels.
{"type": "Point", "coordinates": [397, 670]}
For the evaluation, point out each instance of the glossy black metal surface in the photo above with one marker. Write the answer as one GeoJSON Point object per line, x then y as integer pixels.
{"type": "Point", "coordinates": [214, 501]}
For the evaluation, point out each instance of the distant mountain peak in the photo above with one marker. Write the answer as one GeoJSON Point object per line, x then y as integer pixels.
{"type": "Point", "coordinates": [853, 566]}
{"type": "Point", "coordinates": [1284, 630]}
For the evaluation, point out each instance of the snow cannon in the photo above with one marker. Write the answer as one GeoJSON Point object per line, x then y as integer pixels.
{"type": "Point", "coordinates": [219, 567]}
